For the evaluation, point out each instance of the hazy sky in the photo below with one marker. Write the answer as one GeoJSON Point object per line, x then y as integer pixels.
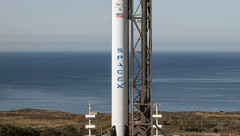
{"type": "Point", "coordinates": [84, 25]}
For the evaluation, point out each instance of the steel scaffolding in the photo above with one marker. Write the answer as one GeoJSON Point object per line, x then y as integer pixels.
{"type": "Point", "coordinates": [140, 15]}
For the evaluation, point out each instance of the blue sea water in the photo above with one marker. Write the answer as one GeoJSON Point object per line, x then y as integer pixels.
{"type": "Point", "coordinates": [67, 81]}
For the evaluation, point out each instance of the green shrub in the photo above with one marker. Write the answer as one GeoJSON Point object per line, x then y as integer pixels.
{"type": "Point", "coordinates": [50, 132]}
{"type": "Point", "coordinates": [70, 131]}
{"type": "Point", "coordinates": [215, 130]}
{"type": "Point", "coordinates": [9, 130]}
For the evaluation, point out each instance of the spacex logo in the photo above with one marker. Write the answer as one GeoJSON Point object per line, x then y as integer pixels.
{"type": "Point", "coordinates": [119, 68]}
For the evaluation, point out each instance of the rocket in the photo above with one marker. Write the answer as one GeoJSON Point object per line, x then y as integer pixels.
{"type": "Point", "coordinates": [120, 66]}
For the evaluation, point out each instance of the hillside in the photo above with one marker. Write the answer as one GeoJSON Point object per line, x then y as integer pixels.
{"type": "Point", "coordinates": [173, 122]}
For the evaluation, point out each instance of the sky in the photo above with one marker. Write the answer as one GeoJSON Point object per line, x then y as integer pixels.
{"type": "Point", "coordinates": [85, 25]}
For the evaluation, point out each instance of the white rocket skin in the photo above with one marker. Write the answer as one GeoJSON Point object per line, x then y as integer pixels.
{"type": "Point", "coordinates": [120, 51]}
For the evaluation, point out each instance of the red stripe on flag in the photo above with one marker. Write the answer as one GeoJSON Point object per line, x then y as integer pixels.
{"type": "Point", "coordinates": [120, 15]}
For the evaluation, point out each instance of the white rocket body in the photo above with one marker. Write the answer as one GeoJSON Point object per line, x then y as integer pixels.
{"type": "Point", "coordinates": [120, 61]}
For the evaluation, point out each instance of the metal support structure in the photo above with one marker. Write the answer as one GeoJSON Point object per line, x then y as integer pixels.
{"type": "Point", "coordinates": [157, 116]}
{"type": "Point", "coordinates": [141, 67]}
{"type": "Point", "coordinates": [160, 129]}
{"type": "Point", "coordinates": [89, 116]}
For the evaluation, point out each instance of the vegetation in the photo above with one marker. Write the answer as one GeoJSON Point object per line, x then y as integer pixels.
{"type": "Point", "coordinates": [215, 130]}
{"type": "Point", "coordinates": [193, 129]}
{"type": "Point", "coordinates": [36, 122]}
{"type": "Point", "coordinates": [10, 130]}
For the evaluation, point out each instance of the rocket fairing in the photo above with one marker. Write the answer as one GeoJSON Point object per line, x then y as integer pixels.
{"type": "Point", "coordinates": [120, 62]}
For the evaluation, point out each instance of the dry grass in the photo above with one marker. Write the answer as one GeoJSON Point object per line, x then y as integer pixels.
{"type": "Point", "coordinates": [42, 119]}
{"type": "Point", "coordinates": [175, 122]}
{"type": "Point", "coordinates": [219, 114]}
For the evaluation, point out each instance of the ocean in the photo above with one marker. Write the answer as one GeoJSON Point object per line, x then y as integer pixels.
{"type": "Point", "coordinates": [67, 81]}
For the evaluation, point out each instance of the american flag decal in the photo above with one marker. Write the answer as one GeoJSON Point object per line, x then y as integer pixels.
{"type": "Point", "coordinates": [119, 15]}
